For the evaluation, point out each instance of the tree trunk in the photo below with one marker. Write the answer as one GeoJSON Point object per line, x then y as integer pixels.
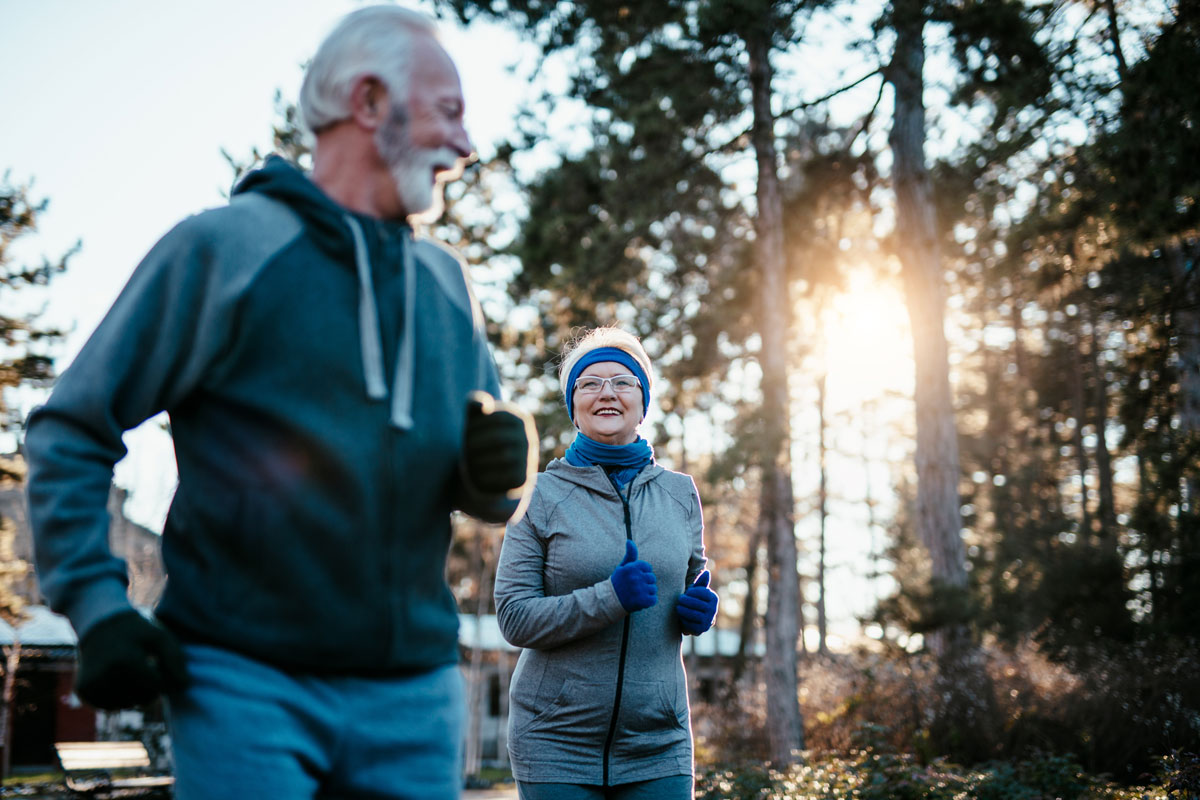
{"type": "Point", "coordinates": [966, 715]}
{"type": "Point", "coordinates": [822, 511]}
{"type": "Point", "coordinates": [938, 516]}
{"type": "Point", "coordinates": [1114, 36]}
{"type": "Point", "coordinates": [1148, 489]}
{"type": "Point", "coordinates": [785, 730]}
{"type": "Point", "coordinates": [502, 664]}
{"type": "Point", "coordinates": [866, 428]}
{"type": "Point", "coordinates": [1106, 509]}
{"type": "Point", "coordinates": [784, 725]}
{"type": "Point", "coordinates": [1000, 441]}
{"type": "Point", "coordinates": [1187, 323]}
{"type": "Point", "coordinates": [12, 660]}
{"type": "Point", "coordinates": [473, 760]}
{"type": "Point", "coordinates": [1079, 409]}
{"type": "Point", "coordinates": [1186, 314]}
{"type": "Point", "coordinates": [750, 607]}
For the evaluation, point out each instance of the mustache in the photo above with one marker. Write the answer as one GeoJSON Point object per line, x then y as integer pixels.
{"type": "Point", "coordinates": [445, 155]}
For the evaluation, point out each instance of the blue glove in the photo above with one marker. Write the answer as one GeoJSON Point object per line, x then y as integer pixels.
{"type": "Point", "coordinates": [634, 581]}
{"type": "Point", "coordinates": [697, 607]}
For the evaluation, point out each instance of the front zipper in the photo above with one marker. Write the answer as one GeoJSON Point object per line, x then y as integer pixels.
{"type": "Point", "coordinates": [612, 725]}
{"type": "Point", "coordinates": [388, 544]}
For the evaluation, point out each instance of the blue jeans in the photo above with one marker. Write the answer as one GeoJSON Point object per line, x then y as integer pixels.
{"type": "Point", "coordinates": [676, 787]}
{"type": "Point", "coordinates": [243, 728]}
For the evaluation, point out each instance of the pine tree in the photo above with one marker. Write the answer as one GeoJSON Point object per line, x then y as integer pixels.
{"type": "Point", "coordinates": [24, 360]}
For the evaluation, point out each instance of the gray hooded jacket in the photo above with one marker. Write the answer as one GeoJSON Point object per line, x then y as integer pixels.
{"type": "Point", "coordinates": [599, 696]}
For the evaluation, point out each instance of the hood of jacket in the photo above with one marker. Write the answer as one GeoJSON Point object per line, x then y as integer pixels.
{"type": "Point", "coordinates": [324, 218]}
{"type": "Point", "coordinates": [352, 237]}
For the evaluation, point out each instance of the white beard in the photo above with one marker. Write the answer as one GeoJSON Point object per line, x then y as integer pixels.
{"type": "Point", "coordinates": [412, 168]}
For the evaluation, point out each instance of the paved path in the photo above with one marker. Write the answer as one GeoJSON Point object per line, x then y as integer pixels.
{"type": "Point", "coordinates": [502, 793]}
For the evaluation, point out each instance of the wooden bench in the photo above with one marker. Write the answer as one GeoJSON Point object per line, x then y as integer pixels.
{"type": "Point", "coordinates": [123, 768]}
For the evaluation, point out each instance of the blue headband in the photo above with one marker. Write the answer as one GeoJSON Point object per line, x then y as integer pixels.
{"type": "Point", "coordinates": [606, 354]}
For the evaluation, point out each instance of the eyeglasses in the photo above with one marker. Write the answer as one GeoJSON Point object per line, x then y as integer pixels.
{"type": "Point", "coordinates": [621, 384]}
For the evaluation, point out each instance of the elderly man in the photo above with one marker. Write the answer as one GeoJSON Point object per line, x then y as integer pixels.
{"type": "Point", "coordinates": [325, 376]}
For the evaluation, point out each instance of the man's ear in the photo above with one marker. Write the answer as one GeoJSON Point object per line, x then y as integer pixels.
{"type": "Point", "coordinates": [369, 102]}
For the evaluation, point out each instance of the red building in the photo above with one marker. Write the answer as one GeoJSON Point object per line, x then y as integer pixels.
{"type": "Point", "coordinates": [44, 708]}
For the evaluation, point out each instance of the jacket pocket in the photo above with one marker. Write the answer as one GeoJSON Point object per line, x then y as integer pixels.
{"type": "Point", "coordinates": [579, 711]}
{"type": "Point", "coordinates": [650, 722]}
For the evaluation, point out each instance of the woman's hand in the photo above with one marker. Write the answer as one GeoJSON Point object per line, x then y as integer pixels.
{"type": "Point", "coordinates": [697, 607]}
{"type": "Point", "coordinates": [634, 581]}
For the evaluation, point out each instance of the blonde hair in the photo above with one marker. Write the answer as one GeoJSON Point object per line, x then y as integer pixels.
{"type": "Point", "coordinates": [603, 337]}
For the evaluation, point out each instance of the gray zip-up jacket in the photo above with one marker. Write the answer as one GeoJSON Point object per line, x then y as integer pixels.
{"type": "Point", "coordinates": [315, 365]}
{"type": "Point", "coordinates": [599, 696]}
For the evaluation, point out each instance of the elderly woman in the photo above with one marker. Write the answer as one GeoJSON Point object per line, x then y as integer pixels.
{"type": "Point", "coordinates": [599, 697]}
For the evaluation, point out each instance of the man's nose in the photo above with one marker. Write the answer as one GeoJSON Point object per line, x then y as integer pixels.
{"type": "Point", "coordinates": [460, 142]}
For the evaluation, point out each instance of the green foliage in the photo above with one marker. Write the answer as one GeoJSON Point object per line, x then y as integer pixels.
{"type": "Point", "coordinates": [996, 46]}
{"type": "Point", "coordinates": [23, 340]}
{"type": "Point", "coordinates": [24, 361]}
{"type": "Point", "coordinates": [872, 775]}
{"type": "Point", "coordinates": [1152, 155]}
{"type": "Point", "coordinates": [932, 605]}
{"type": "Point", "coordinates": [287, 140]}
{"type": "Point", "coordinates": [1181, 774]}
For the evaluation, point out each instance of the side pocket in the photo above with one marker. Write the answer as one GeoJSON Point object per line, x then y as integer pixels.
{"type": "Point", "coordinates": [647, 706]}
{"type": "Point", "coordinates": [577, 711]}
{"type": "Point", "coordinates": [649, 724]}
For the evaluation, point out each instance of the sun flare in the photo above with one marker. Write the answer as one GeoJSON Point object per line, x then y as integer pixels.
{"type": "Point", "coordinates": [866, 344]}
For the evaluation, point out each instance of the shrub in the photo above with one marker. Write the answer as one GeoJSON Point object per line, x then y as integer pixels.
{"type": "Point", "coordinates": [1112, 711]}
{"type": "Point", "coordinates": [732, 729]}
{"type": "Point", "coordinates": [1181, 775]}
{"type": "Point", "coordinates": [869, 775]}
{"type": "Point", "coordinates": [1131, 705]}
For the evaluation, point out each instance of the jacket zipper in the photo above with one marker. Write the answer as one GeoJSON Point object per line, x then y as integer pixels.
{"type": "Point", "coordinates": [612, 724]}
{"type": "Point", "coordinates": [391, 482]}
{"type": "Point", "coordinates": [387, 544]}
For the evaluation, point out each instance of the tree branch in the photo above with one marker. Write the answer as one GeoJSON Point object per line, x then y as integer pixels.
{"type": "Point", "coordinates": [866, 123]}
{"type": "Point", "coordinates": [801, 107]}
{"type": "Point", "coordinates": [826, 98]}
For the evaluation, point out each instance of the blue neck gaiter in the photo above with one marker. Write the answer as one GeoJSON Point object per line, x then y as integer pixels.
{"type": "Point", "coordinates": [622, 461]}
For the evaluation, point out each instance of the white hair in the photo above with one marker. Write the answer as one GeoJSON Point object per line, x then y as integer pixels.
{"type": "Point", "coordinates": [603, 337]}
{"type": "Point", "coordinates": [376, 40]}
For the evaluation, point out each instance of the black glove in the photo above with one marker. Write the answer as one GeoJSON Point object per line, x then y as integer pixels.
{"type": "Point", "coordinates": [499, 445]}
{"type": "Point", "coordinates": [126, 660]}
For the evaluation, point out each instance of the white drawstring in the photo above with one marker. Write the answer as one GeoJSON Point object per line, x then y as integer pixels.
{"type": "Point", "coordinates": [402, 383]}
{"type": "Point", "coordinates": [368, 316]}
